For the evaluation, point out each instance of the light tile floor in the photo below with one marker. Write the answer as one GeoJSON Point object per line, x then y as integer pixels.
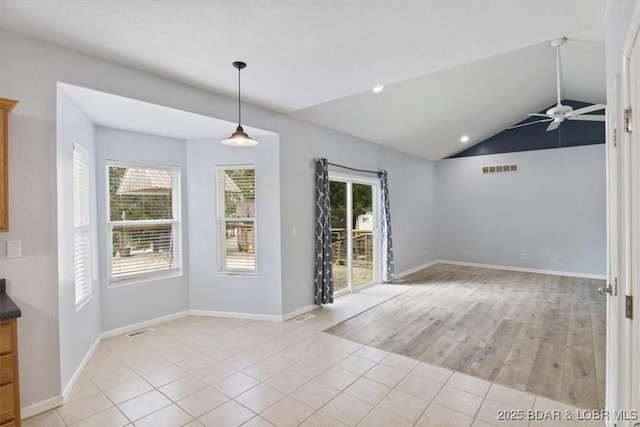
{"type": "Point", "coordinates": [206, 371]}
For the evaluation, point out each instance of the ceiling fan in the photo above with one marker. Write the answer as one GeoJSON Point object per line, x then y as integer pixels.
{"type": "Point", "coordinates": [559, 113]}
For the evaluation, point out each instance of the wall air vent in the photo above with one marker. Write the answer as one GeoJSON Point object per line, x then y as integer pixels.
{"type": "Point", "coordinates": [487, 170]}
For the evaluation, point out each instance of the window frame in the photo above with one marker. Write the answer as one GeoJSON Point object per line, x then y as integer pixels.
{"type": "Point", "coordinates": [176, 226]}
{"type": "Point", "coordinates": [84, 227]}
{"type": "Point", "coordinates": [221, 237]}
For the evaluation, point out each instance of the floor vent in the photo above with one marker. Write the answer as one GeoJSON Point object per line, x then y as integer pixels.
{"type": "Point", "coordinates": [487, 170]}
{"type": "Point", "coordinates": [140, 332]}
{"type": "Point", "coordinates": [305, 317]}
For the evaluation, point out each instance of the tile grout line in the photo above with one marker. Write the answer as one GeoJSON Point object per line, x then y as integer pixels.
{"type": "Point", "coordinates": [434, 396]}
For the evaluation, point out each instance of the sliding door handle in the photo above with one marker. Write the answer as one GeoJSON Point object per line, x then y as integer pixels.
{"type": "Point", "coordinates": [606, 290]}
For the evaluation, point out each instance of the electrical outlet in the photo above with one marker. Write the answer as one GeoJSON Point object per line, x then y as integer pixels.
{"type": "Point", "coordinates": [294, 232]}
{"type": "Point", "coordinates": [523, 256]}
{"type": "Point", "coordinates": [543, 258]}
{"type": "Point", "coordinates": [462, 251]}
{"type": "Point", "coordinates": [559, 259]}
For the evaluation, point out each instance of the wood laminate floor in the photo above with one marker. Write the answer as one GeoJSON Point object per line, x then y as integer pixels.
{"type": "Point", "coordinates": [538, 333]}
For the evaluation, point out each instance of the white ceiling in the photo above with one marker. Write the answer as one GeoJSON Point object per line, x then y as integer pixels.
{"type": "Point", "coordinates": [449, 67]}
{"type": "Point", "coordinates": [114, 111]}
{"type": "Point", "coordinates": [477, 99]}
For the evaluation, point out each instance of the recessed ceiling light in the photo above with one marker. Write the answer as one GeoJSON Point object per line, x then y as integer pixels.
{"type": "Point", "coordinates": [464, 138]}
{"type": "Point", "coordinates": [378, 88]}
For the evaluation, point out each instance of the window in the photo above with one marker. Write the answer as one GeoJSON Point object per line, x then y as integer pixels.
{"type": "Point", "coordinates": [236, 190]}
{"type": "Point", "coordinates": [81, 225]}
{"type": "Point", "coordinates": [144, 221]}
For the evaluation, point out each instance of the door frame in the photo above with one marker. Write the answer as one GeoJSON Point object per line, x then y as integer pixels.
{"type": "Point", "coordinates": [350, 179]}
{"type": "Point", "coordinates": [628, 333]}
{"type": "Point", "coordinates": [616, 274]}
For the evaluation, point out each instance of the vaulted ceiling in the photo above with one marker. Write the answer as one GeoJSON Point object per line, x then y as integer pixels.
{"type": "Point", "coordinates": [449, 67]}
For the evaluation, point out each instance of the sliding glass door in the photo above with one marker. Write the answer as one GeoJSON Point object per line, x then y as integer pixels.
{"type": "Point", "coordinates": [354, 228]}
{"type": "Point", "coordinates": [339, 241]}
{"type": "Point", "coordinates": [362, 234]}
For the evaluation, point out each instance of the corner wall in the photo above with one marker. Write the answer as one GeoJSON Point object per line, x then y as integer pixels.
{"type": "Point", "coordinates": [252, 295]}
{"type": "Point", "coordinates": [79, 329]}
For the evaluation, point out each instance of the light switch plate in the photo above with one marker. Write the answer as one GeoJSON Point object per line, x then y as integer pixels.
{"type": "Point", "coordinates": [14, 248]}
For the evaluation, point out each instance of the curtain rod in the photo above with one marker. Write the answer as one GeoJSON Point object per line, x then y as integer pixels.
{"type": "Point", "coordinates": [347, 167]}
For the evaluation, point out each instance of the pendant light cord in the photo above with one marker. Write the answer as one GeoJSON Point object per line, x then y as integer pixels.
{"type": "Point", "coordinates": [239, 106]}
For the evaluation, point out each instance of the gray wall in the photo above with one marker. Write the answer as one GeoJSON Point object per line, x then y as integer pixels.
{"type": "Point", "coordinates": [137, 301]}
{"type": "Point", "coordinates": [209, 290]}
{"type": "Point", "coordinates": [553, 206]}
{"type": "Point", "coordinates": [32, 280]}
{"type": "Point", "coordinates": [412, 189]}
{"type": "Point", "coordinates": [617, 19]}
{"type": "Point", "coordinates": [79, 330]}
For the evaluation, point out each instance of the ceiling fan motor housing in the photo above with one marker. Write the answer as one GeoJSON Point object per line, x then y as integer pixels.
{"type": "Point", "coordinates": [559, 111]}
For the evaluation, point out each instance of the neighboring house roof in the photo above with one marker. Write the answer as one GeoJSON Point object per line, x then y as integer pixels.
{"type": "Point", "coordinates": [138, 181]}
{"type": "Point", "coordinates": [145, 182]}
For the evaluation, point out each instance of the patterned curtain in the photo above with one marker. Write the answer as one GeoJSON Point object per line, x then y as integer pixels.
{"type": "Point", "coordinates": [385, 230]}
{"type": "Point", "coordinates": [323, 273]}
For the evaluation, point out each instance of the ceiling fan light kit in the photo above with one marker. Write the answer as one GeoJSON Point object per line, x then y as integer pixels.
{"type": "Point", "coordinates": [558, 114]}
{"type": "Point", "coordinates": [239, 138]}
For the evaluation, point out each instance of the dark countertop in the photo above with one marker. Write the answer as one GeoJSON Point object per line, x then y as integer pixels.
{"type": "Point", "coordinates": [8, 308]}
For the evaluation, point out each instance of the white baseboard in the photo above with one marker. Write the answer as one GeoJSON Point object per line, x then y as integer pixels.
{"type": "Point", "coordinates": [298, 312]}
{"type": "Point", "coordinates": [253, 316]}
{"type": "Point", "coordinates": [414, 269]}
{"type": "Point", "coordinates": [67, 389]}
{"type": "Point", "coordinates": [42, 406]}
{"type": "Point", "coordinates": [145, 324]}
{"type": "Point", "coordinates": [234, 315]}
{"type": "Point", "coordinates": [524, 269]}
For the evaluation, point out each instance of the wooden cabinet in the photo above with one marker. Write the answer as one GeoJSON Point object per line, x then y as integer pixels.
{"type": "Point", "coordinates": [9, 386]}
{"type": "Point", "coordinates": [6, 105]}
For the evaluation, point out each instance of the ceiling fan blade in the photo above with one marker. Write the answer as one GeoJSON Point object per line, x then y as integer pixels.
{"type": "Point", "coordinates": [554, 125]}
{"type": "Point", "coordinates": [587, 118]}
{"type": "Point", "coordinates": [530, 123]}
{"type": "Point", "coordinates": [587, 109]}
{"type": "Point", "coordinates": [539, 115]}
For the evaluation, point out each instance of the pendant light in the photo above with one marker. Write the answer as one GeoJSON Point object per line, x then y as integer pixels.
{"type": "Point", "coordinates": [239, 138]}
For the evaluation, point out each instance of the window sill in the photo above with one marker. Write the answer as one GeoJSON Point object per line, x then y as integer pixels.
{"type": "Point", "coordinates": [134, 280]}
{"type": "Point", "coordinates": [83, 303]}
{"type": "Point", "coordinates": [238, 273]}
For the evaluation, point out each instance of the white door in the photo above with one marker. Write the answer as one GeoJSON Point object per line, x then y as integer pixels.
{"type": "Point", "coordinates": [631, 287]}
{"type": "Point", "coordinates": [617, 265]}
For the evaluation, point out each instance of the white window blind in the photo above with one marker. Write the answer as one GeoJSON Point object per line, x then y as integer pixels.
{"type": "Point", "coordinates": [144, 221]}
{"type": "Point", "coordinates": [236, 216]}
{"type": "Point", "coordinates": [81, 224]}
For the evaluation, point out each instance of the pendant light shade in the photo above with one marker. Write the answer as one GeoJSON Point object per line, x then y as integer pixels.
{"type": "Point", "coordinates": [239, 138]}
